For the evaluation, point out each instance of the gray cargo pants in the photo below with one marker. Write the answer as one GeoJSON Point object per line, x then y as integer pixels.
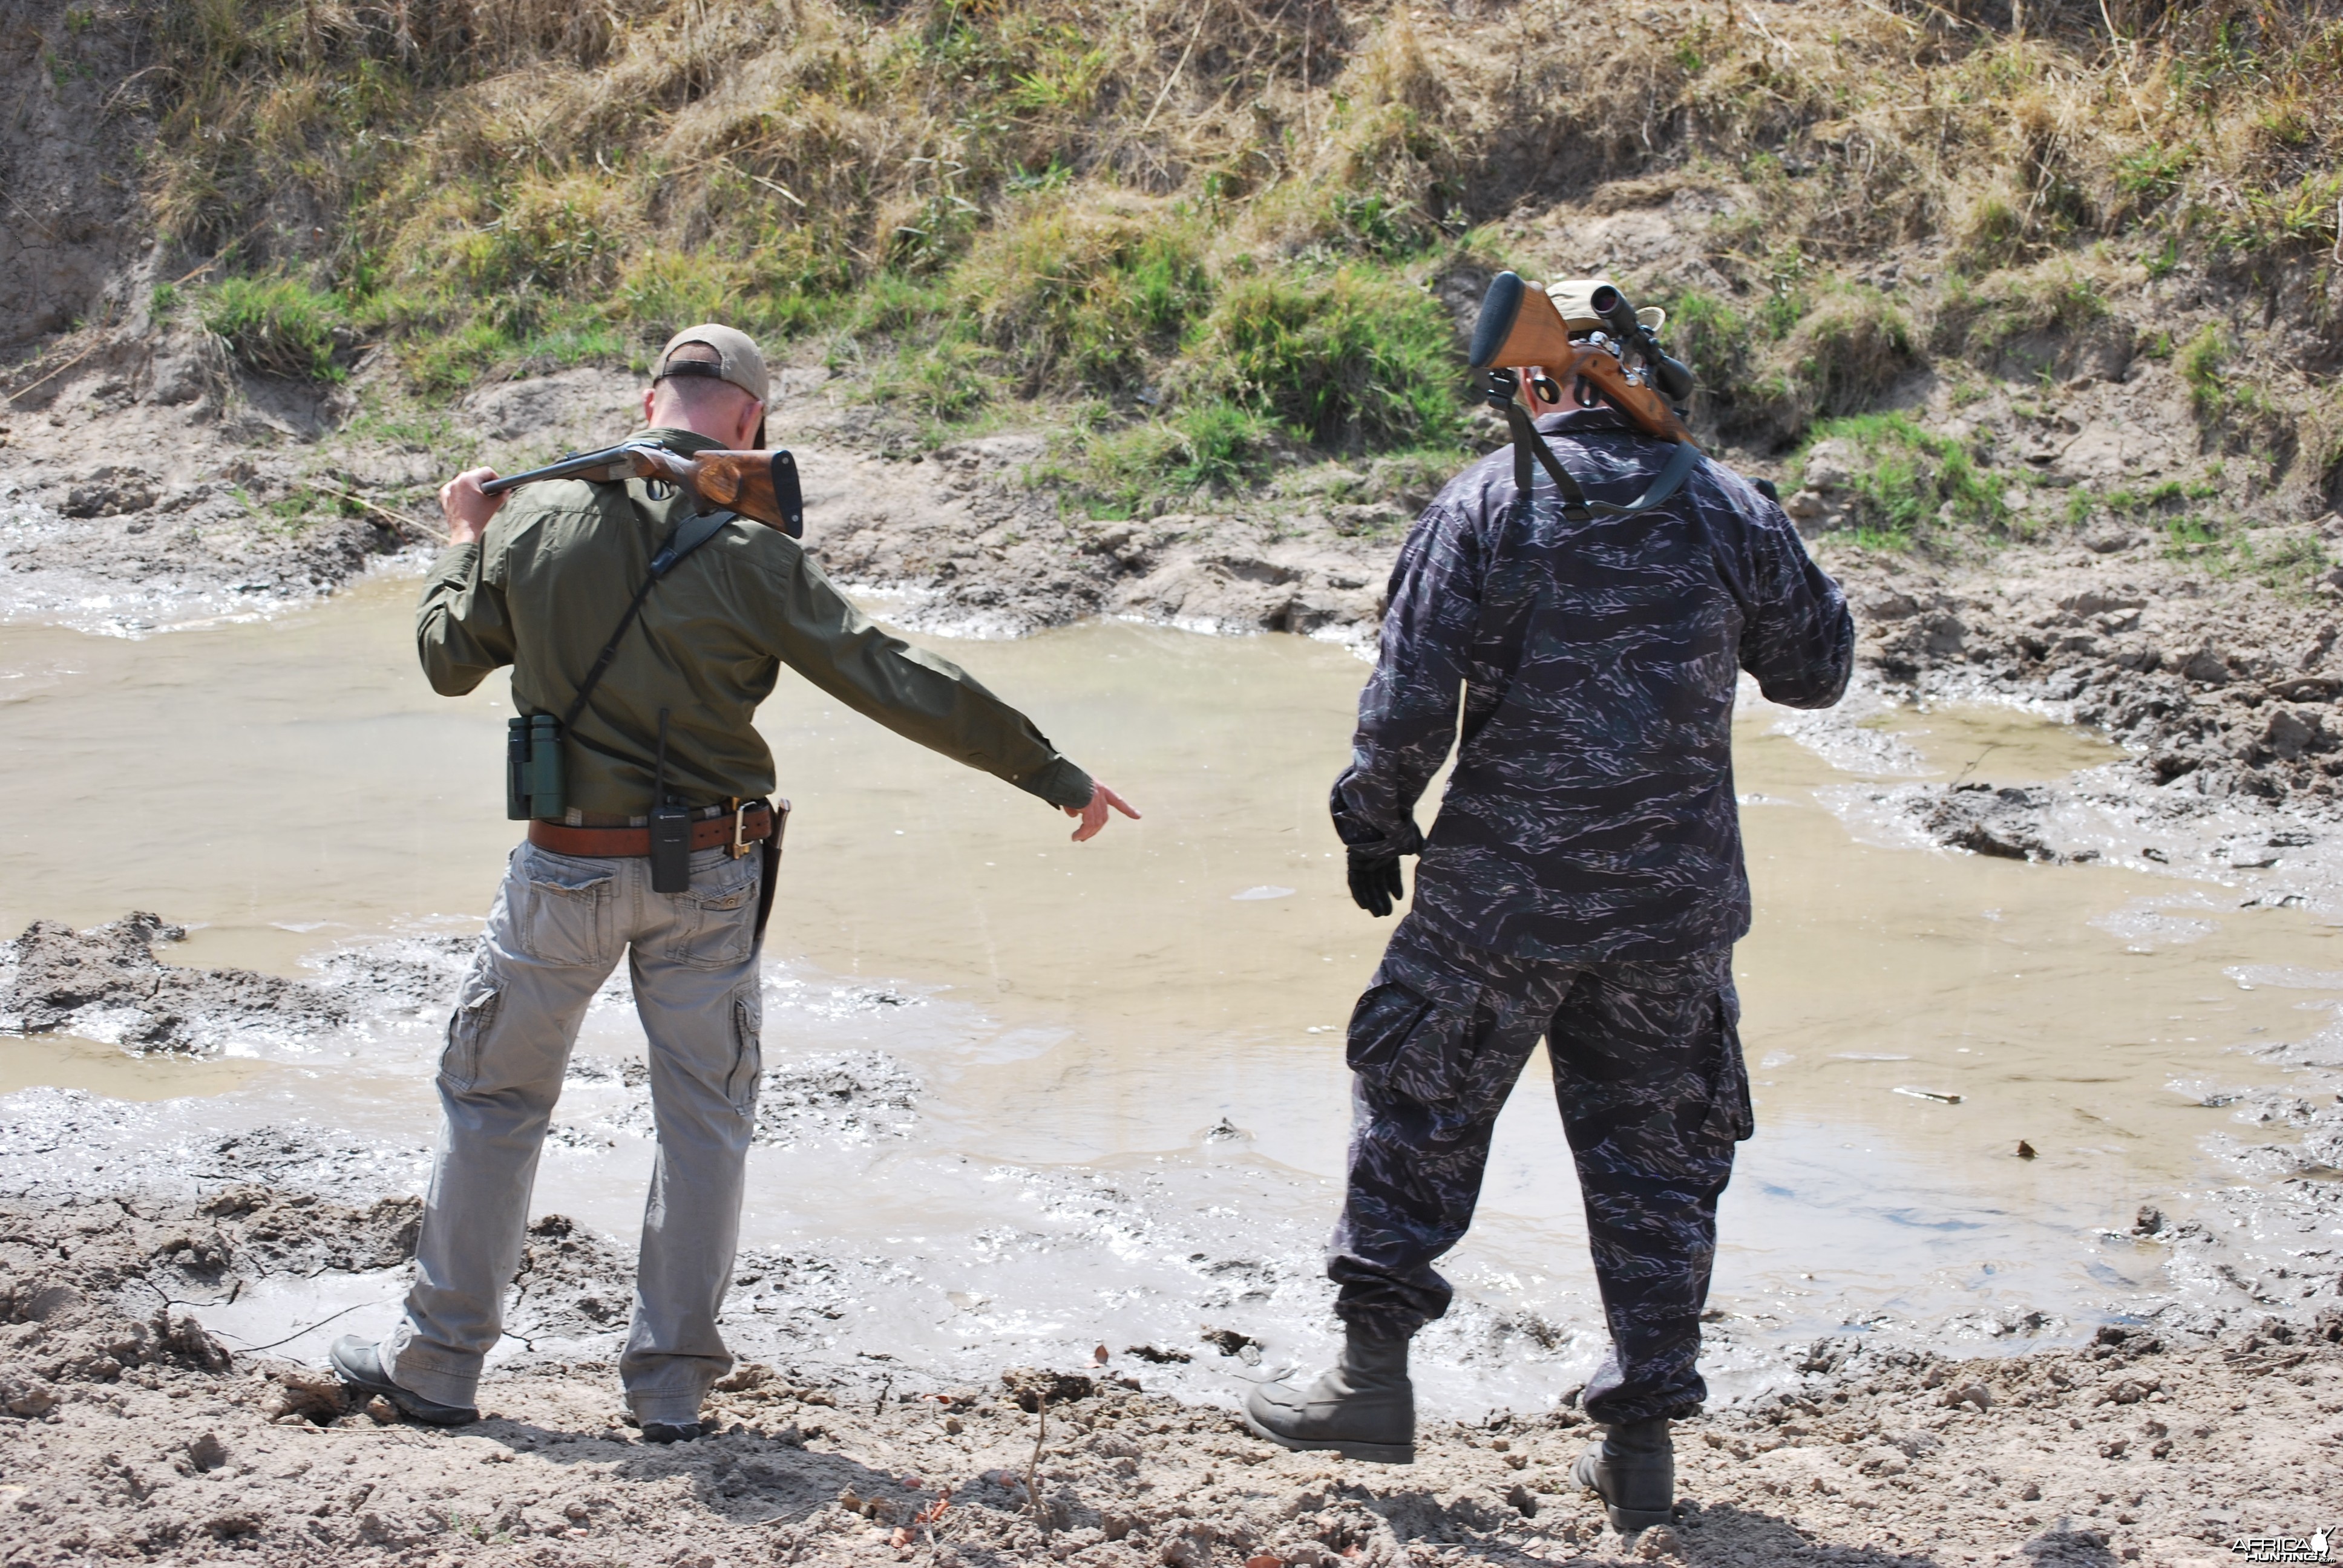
{"type": "Point", "coordinates": [556, 933]}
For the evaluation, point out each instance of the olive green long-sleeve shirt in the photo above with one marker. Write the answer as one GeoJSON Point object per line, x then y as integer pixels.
{"type": "Point", "coordinates": [547, 582]}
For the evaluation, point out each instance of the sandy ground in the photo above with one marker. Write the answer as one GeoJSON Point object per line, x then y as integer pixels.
{"type": "Point", "coordinates": [132, 1434]}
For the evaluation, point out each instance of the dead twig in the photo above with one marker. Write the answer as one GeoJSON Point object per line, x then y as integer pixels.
{"type": "Point", "coordinates": [401, 518]}
{"type": "Point", "coordinates": [1194, 34]}
{"type": "Point", "coordinates": [2116, 45]}
{"type": "Point", "coordinates": [1034, 1467]}
{"type": "Point", "coordinates": [52, 375]}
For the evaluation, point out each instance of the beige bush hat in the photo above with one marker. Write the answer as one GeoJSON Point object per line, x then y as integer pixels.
{"type": "Point", "coordinates": [737, 360]}
{"type": "Point", "coordinates": [1574, 297]}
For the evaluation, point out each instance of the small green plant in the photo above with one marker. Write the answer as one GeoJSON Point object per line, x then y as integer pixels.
{"type": "Point", "coordinates": [163, 301]}
{"type": "Point", "coordinates": [2153, 175]}
{"type": "Point", "coordinates": [277, 325]}
{"type": "Point", "coordinates": [2287, 563]}
{"type": "Point", "coordinates": [2190, 538]}
{"type": "Point", "coordinates": [1908, 483]}
{"type": "Point", "coordinates": [2200, 368]}
{"type": "Point", "coordinates": [949, 379]}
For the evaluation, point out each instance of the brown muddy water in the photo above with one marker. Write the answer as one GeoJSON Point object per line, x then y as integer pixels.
{"type": "Point", "coordinates": [1111, 1104]}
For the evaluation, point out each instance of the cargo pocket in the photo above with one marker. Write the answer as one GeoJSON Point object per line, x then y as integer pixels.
{"type": "Point", "coordinates": [1403, 1043]}
{"type": "Point", "coordinates": [565, 912]}
{"type": "Point", "coordinates": [716, 920]}
{"type": "Point", "coordinates": [747, 1050]}
{"type": "Point", "coordinates": [1731, 1116]}
{"type": "Point", "coordinates": [468, 1029]}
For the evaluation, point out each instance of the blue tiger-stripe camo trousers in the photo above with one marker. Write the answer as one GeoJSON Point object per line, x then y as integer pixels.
{"type": "Point", "coordinates": [1653, 1095]}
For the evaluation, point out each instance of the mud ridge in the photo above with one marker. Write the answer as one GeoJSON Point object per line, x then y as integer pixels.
{"type": "Point", "coordinates": [106, 984]}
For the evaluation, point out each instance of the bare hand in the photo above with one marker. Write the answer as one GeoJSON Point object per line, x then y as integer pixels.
{"type": "Point", "coordinates": [1093, 815]}
{"type": "Point", "coordinates": [467, 510]}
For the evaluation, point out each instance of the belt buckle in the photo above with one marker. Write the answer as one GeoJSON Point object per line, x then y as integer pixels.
{"type": "Point", "coordinates": [740, 845]}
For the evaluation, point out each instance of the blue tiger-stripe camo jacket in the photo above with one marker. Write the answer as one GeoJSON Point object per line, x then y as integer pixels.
{"type": "Point", "coordinates": [1591, 815]}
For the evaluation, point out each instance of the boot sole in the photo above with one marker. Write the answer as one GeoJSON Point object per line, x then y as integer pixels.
{"type": "Point", "coordinates": [1632, 1521]}
{"type": "Point", "coordinates": [1366, 1452]}
{"type": "Point", "coordinates": [406, 1403]}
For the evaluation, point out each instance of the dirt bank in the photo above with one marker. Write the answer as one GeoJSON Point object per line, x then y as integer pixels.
{"type": "Point", "coordinates": [132, 1433]}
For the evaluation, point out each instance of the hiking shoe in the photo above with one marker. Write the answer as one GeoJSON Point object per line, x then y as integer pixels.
{"type": "Point", "coordinates": [1362, 1408]}
{"type": "Point", "coordinates": [672, 1432]}
{"type": "Point", "coordinates": [1633, 1470]}
{"type": "Point", "coordinates": [358, 1363]}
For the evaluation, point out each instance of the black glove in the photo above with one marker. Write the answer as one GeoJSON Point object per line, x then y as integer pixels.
{"type": "Point", "coordinates": [1376, 883]}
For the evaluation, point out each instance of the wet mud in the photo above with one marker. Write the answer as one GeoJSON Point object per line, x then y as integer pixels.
{"type": "Point", "coordinates": [132, 1433]}
{"type": "Point", "coordinates": [840, 1097]}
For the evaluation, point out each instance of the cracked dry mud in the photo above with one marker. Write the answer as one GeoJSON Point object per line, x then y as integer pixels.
{"type": "Point", "coordinates": [132, 1435]}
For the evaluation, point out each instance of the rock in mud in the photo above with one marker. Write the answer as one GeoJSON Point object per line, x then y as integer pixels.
{"type": "Point", "coordinates": [106, 984]}
{"type": "Point", "coordinates": [2004, 822]}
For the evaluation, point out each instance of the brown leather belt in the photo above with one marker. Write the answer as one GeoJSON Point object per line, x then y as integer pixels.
{"type": "Point", "coordinates": [735, 831]}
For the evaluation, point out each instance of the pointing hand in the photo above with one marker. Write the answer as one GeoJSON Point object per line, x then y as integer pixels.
{"type": "Point", "coordinates": [1093, 815]}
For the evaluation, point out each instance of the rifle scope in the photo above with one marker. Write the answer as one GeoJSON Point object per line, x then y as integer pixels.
{"type": "Point", "coordinates": [1671, 377]}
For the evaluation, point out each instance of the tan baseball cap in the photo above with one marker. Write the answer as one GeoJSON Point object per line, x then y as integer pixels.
{"type": "Point", "coordinates": [737, 360]}
{"type": "Point", "coordinates": [1574, 298]}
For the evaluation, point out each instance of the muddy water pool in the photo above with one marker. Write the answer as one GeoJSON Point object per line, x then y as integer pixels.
{"type": "Point", "coordinates": [1095, 1093]}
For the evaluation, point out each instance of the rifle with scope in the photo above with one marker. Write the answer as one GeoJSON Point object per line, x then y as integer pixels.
{"type": "Point", "coordinates": [1601, 348]}
{"type": "Point", "coordinates": [1595, 343]}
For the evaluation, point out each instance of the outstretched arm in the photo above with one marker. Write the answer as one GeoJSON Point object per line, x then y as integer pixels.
{"type": "Point", "coordinates": [923, 698]}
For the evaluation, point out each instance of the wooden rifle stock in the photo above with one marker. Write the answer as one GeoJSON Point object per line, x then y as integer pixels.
{"type": "Point", "coordinates": [760, 486]}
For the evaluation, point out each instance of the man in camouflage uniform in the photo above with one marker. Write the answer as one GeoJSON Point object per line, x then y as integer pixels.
{"type": "Point", "coordinates": [1582, 882]}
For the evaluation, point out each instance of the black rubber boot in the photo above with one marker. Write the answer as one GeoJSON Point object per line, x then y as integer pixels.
{"type": "Point", "coordinates": [1633, 1470]}
{"type": "Point", "coordinates": [672, 1432]}
{"type": "Point", "coordinates": [358, 1363]}
{"type": "Point", "coordinates": [1363, 1407]}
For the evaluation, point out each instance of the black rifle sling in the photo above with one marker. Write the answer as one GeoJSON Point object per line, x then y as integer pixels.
{"type": "Point", "coordinates": [1530, 445]}
{"type": "Point", "coordinates": [693, 533]}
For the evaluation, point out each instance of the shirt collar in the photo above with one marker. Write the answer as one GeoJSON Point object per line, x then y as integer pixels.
{"type": "Point", "coordinates": [1578, 421]}
{"type": "Point", "coordinates": [685, 442]}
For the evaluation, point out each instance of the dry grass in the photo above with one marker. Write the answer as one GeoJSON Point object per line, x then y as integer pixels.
{"type": "Point", "coordinates": [1078, 198]}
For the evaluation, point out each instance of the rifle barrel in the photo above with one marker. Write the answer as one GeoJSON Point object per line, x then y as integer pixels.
{"type": "Point", "coordinates": [572, 466]}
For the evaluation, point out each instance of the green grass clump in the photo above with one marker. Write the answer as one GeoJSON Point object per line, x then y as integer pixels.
{"type": "Point", "coordinates": [1117, 472]}
{"type": "Point", "coordinates": [2199, 365]}
{"type": "Point", "coordinates": [1910, 486]}
{"type": "Point", "coordinates": [1353, 360]}
{"type": "Point", "coordinates": [277, 325]}
{"type": "Point", "coordinates": [1078, 295]}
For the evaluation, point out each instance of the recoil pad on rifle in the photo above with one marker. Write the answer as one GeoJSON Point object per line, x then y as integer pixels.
{"type": "Point", "coordinates": [1518, 325]}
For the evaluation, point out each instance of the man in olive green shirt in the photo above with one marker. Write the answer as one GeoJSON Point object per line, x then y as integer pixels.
{"type": "Point", "coordinates": [540, 586]}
